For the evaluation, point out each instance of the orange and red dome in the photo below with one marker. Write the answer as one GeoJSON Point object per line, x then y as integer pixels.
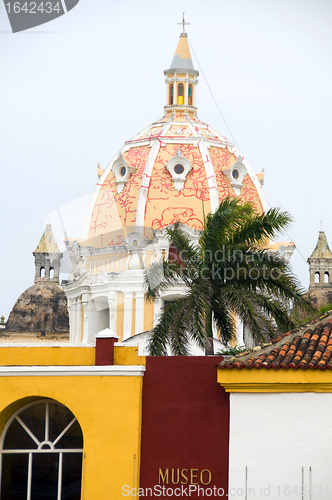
{"type": "Point", "coordinates": [174, 169]}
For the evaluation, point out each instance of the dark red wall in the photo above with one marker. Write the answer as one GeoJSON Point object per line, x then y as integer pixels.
{"type": "Point", "coordinates": [185, 421]}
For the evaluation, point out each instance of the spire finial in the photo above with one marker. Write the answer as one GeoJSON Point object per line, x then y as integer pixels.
{"type": "Point", "coordinates": [321, 224]}
{"type": "Point", "coordinates": [183, 24]}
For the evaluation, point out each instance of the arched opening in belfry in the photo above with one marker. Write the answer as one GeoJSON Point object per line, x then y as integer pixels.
{"type": "Point", "coordinates": [51, 273]}
{"type": "Point", "coordinates": [171, 91]}
{"type": "Point", "coordinates": [326, 277]}
{"type": "Point", "coordinates": [317, 276]}
{"type": "Point", "coordinates": [180, 93]}
{"type": "Point", "coordinates": [190, 95]}
{"type": "Point", "coordinates": [42, 272]}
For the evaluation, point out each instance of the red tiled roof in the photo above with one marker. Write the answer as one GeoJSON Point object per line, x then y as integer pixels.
{"type": "Point", "coordinates": [310, 349]}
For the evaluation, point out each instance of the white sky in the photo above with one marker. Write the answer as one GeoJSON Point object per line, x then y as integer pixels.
{"type": "Point", "coordinates": [73, 90]}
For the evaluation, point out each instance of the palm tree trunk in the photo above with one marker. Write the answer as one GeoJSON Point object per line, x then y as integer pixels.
{"type": "Point", "coordinates": [209, 334]}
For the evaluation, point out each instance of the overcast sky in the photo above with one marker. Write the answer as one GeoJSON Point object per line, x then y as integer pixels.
{"type": "Point", "coordinates": [73, 90]}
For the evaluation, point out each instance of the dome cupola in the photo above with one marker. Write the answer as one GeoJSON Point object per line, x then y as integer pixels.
{"type": "Point", "coordinates": [181, 80]}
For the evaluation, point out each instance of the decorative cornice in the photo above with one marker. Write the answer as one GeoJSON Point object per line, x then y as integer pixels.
{"type": "Point", "coordinates": [72, 371]}
{"type": "Point", "coordinates": [278, 387]}
{"type": "Point", "coordinates": [280, 380]}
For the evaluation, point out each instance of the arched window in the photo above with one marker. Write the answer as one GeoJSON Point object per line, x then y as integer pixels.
{"type": "Point", "coordinates": [326, 277]}
{"type": "Point", "coordinates": [41, 453]}
{"type": "Point", "coordinates": [51, 273]}
{"type": "Point", "coordinates": [171, 93]}
{"type": "Point", "coordinates": [190, 95]}
{"type": "Point", "coordinates": [180, 93]}
{"type": "Point", "coordinates": [42, 272]}
{"type": "Point", "coordinates": [317, 277]}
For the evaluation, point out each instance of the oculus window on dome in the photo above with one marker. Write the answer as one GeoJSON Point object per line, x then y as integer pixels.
{"type": "Point", "coordinates": [122, 171]}
{"type": "Point", "coordinates": [179, 167]}
{"type": "Point", "coordinates": [236, 174]}
{"type": "Point", "coordinates": [41, 453]}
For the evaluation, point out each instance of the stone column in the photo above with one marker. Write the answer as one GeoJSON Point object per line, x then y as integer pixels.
{"type": "Point", "coordinates": [112, 308]}
{"type": "Point", "coordinates": [72, 319]}
{"type": "Point", "coordinates": [127, 314]}
{"type": "Point", "coordinates": [139, 316]}
{"type": "Point", "coordinates": [78, 322]}
{"type": "Point", "coordinates": [312, 276]}
{"type": "Point", "coordinates": [185, 89]}
{"type": "Point", "coordinates": [158, 309]}
{"type": "Point", "coordinates": [85, 307]}
{"type": "Point", "coordinates": [175, 90]}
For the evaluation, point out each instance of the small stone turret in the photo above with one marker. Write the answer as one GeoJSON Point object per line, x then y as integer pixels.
{"type": "Point", "coordinates": [47, 258]}
{"type": "Point", "coordinates": [320, 268]}
{"type": "Point", "coordinates": [41, 310]}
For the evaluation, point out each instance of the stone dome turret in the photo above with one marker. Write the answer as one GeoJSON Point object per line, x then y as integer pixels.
{"type": "Point", "coordinates": [41, 309]}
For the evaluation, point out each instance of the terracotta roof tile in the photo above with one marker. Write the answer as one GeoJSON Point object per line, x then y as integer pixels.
{"type": "Point", "coordinates": [309, 349]}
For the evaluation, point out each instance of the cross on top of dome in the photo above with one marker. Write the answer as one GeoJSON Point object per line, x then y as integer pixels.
{"type": "Point", "coordinates": [183, 25]}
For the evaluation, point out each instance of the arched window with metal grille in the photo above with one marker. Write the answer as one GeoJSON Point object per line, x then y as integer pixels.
{"type": "Point", "coordinates": [41, 453]}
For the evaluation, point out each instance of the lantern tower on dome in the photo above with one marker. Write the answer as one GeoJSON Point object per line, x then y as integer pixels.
{"type": "Point", "coordinates": [176, 169]}
{"type": "Point", "coordinates": [181, 80]}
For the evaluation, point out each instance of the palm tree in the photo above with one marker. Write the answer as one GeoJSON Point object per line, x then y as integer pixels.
{"type": "Point", "coordinates": [229, 271]}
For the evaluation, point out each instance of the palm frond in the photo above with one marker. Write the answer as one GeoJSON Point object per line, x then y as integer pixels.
{"type": "Point", "coordinates": [229, 273]}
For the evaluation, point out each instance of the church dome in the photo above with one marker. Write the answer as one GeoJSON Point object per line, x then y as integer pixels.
{"type": "Point", "coordinates": [42, 308]}
{"type": "Point", "coordinates": [176, 169]}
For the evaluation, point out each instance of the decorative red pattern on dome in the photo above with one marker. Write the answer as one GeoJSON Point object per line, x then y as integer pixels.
{"type": "Point", "coordinates": [222, 159]}
{"type": "Point", "coordinates": [162, 188]}
{"type": "Point", "coordinates": [127, 199]}
{"type": "Point", "coordinates": [175, 214]}
{"type": "Point", "coordinates": [103, 208]}
{"type": "Point", "coordinates": [249, 193]}
{"type": "Point", "coordinates": [110, 205]}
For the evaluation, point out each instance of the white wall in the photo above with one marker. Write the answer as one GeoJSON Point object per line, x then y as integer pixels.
{"type": "Point", "coordinates": [274, 436]}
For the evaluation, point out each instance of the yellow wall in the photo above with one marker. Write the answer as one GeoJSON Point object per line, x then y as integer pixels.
{"type": "Point", "coordinates": [48, 356]}
{"type": "Point", "coordinates": [128, 355]}
{"type": "Point", "coordinates": [65, 356]}
{"type": "Point", "coordinates": [108, 409]}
